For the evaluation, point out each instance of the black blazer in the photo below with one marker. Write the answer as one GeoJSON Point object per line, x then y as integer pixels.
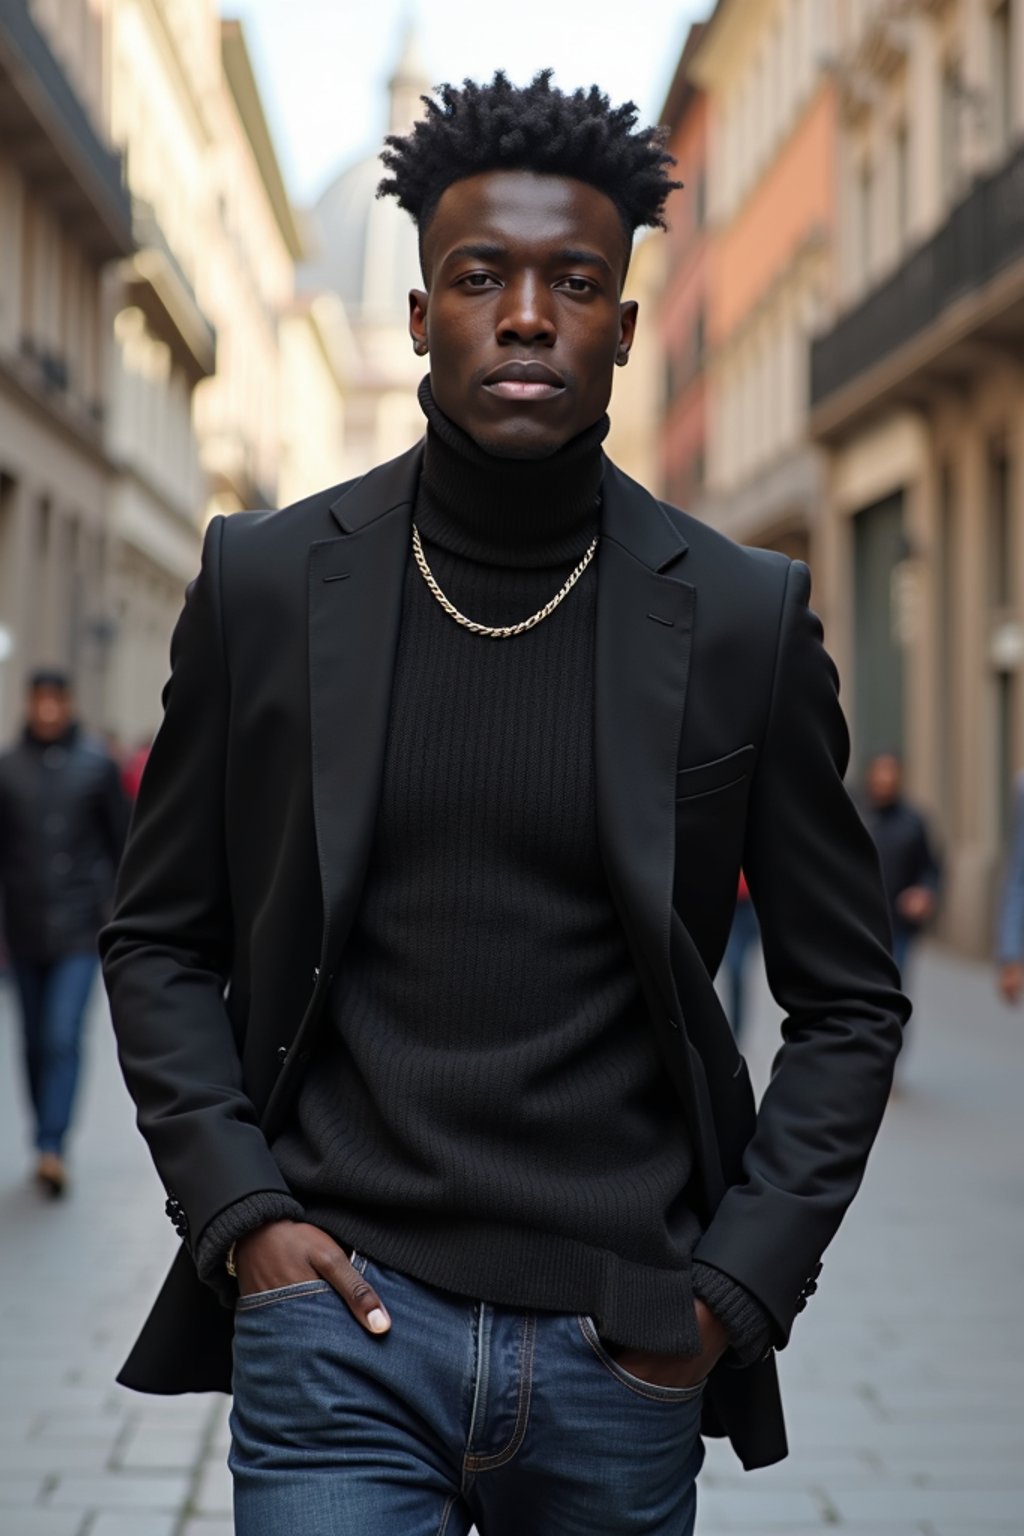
{"type": "Point", "coordinates": [719, 740]}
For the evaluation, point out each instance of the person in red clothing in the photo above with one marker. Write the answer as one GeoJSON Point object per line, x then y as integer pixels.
{"type": "Point", "coordinates": [131, 772]}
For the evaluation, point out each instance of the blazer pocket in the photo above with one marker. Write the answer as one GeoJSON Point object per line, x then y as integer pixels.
{"type": "Point", "coordinates": [705, 778]}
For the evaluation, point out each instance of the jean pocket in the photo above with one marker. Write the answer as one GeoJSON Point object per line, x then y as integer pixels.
{"type": "Point", "coordinates": [257, 1299]}
{"type": "Point", "coordinates": [652, 1390]}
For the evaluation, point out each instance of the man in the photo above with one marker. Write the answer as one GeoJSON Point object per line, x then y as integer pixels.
{"type": "Point", "coordinates": [434, 861]}
{"type": "Point", "coordinates": [63, 821]}
{"type": "Point", "coordinates": [911, 872]}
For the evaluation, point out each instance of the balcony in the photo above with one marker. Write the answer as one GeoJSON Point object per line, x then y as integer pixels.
{"type": "Point", "coordinates": [158, 284]}
{"type": "Point", "coordinates": [955, 302]}
{"type": "Point", "coordinates": [47, 131]}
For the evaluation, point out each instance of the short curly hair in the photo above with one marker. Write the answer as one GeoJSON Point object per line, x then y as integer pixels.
{"type": "Point", "coordinates": [537, 127]}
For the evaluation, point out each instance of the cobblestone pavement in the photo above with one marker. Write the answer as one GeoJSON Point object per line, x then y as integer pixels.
{"type": "Point", "coordinates": [902, 1386]}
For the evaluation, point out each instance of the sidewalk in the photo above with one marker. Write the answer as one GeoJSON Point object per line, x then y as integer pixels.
{"type": "Point", "coordinates": [79, 1455]}
{"type": "Point", "coordinates": [902, 1386]}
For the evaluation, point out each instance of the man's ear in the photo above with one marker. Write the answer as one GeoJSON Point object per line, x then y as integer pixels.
{"type": "Point", "coordinates": [418, 321]}
{"type": "Point", "coordinates": [628, 313]}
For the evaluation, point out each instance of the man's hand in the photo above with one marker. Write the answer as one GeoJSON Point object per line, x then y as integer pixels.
{"type": "Point", "coordinates": [916, 903]}
{"type": "Point", "coordinates": [288, 1252]}
{"type": "Point", "coordinates": [679, 1370]}
{"type": "Point", "coordinates": [1011, 981]}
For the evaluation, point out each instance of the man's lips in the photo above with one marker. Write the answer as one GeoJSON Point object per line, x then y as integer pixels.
{"type": "Point", "coordinates": [524, 381]}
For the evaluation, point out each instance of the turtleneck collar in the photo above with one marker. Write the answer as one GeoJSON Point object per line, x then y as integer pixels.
{"type": "Point", "coordinates": [501, 511]}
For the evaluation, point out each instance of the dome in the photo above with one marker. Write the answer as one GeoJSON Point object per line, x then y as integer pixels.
{"type": "Point", "coordinates": [366, 247]}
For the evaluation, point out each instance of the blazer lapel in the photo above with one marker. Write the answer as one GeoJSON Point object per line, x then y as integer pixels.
{"type": "Point", "coordinates": [355, 609]}
{"type": "Point", "coordinates": [644, 632]}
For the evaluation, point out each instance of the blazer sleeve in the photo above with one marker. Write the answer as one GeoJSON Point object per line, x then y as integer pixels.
{"type": "Point", "coordinates": [167, 951]}
{"type": "Point", "coordinates": [815, 881]}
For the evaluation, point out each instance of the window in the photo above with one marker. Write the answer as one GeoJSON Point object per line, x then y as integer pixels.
{"type": "Point", "coordinates": [1001, 584]}
{"type": "Point", "coordinates": [947, 637]}
{"type": "Point", "coordinates": [865, 215]}
{"type": "Point", "coordinates": [949, 107]}
{"type": "Point", "coordinates": [700, 196]}
{"type": "Point", "coordinates": [1001, 102]}
{"type": "Point", "coordinates": [901, 151]}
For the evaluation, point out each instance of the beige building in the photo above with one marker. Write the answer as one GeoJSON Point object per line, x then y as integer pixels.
{"type": "Point", "coordinates": [64, 216]}
{"type": "Point", "coordinates": [917, 394]}
{"type": "Point", "coordinates": [364, 250]}
{"type": "Point", "coordinates": [227, 391]}
{"type": "Point", "coordinates": [249, 265]}
{"type": "Point", "coordinates": [318, 364]}
{"type": "Point", "coordinates": [771, 212]}
{"type": "Point", "coordinates": [638, 390]}
{"type": "Point", "coordinates": [164, 77]}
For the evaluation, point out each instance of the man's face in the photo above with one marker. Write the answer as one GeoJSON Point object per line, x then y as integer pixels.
{"type": "Point", "coordinates": [884, 779]}
{"type": "Point", "coordinates": [522, 317]}
{"type": "Point", "coordinates": [49, 712]}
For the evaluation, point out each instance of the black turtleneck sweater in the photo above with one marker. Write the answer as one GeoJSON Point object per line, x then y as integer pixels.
{"type": "Point", "coordinates": [487, 1111]}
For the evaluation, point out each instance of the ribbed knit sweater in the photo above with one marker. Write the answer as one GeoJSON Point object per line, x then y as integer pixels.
{"type": "Point", "coordinates": [487, 1110]}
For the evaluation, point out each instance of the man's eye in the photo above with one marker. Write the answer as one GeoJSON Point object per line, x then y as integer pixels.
{"type": "Point", "coordinates": [577, 284]}
{"type": "Point", "coordinates": [478, 280]}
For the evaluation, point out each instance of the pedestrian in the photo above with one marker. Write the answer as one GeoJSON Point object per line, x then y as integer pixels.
{"type": "Point", "coordinates": [63, 820]}
{"type": "Point", "coordinates": [133, 767]}
{"type": "Point", "coordinates": [431, 869]}
{"type": "Point", "coordinates": [742, 939]}
{"type": "Point", "coordinates": [1010, 927]}
{"type": "Point", "coordinates": [911, 872]}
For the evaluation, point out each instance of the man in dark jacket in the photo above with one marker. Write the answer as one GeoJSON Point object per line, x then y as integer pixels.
{"type": "Point", "coordinates": [63, 821]}
{"type": "Point", "coordinates": [432, 867]}
{"type": "Point", "coordinates": [911, 871]}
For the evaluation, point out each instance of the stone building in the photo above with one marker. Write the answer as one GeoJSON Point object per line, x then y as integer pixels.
{"type": "Point", "coordinates": [683, 301]}
{"type": "Point", "coordinates": [250, 259]}
{"type": "Point", "coordinates": [64, 216]}
{"type": "Point", "coordinates": [164, 79]}
{"type": "Point", "coordinates": [917, 394]}
{"type": "Point", "coordinates": [771, 137]}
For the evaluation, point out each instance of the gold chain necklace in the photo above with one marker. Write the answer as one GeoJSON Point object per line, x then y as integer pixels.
{"type": "Point", "coordinates": [504, 631]}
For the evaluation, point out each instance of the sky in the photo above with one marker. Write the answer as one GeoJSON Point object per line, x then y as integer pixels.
{"type": "Point", "coordinates": [322, 65]}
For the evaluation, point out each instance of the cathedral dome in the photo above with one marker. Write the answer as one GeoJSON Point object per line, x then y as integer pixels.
{"type": "Point", "coordinates": [366, 247]}
{"type": "Point", "coordinates": [367, 251]}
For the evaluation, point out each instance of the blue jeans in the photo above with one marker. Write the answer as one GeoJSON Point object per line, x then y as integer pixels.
{"type": "Point", "coordinates": [54, 997]}
{"type": "Point", "coordinates": [465, 1412]}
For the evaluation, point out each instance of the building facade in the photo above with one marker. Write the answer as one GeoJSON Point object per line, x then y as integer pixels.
{"type": "Point", "coordinates": [164, 75]}
{"type": "Point", "coordinates": [64, 217]}
{"type": "Point", "coordinates": [683, 302]}
{"type": "Point", "coordinates": [771, 135]}
{"type": "Point", "coordinates": [917, 397]}
{"type": "Point", "coordinates": [250, 260]}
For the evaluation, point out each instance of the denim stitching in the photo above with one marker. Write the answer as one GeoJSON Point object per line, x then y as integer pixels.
{"type": "Point", "coordinates": [500, 1458]}
{"type": "Point", "coordinates": [280, 1293]}
{"type": "Point", "coordinates": [656, 1394]}
{"type": "Point", "coordinates": [446, 1514]}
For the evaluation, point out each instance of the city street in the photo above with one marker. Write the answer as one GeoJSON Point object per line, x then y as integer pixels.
{"type": "Point", "coordinates": [902, 1386]}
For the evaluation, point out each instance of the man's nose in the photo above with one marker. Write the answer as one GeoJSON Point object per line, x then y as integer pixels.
{"type": "Point", "coordinates": [526, 314]}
